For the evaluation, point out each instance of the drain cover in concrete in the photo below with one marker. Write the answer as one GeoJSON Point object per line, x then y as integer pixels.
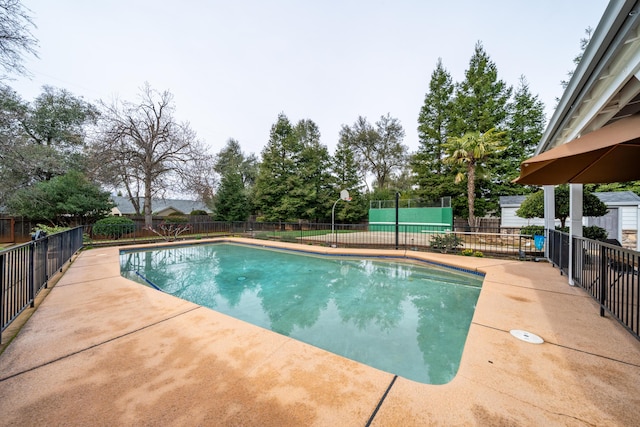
{"type": "Point", "coordinates": [526, 336]}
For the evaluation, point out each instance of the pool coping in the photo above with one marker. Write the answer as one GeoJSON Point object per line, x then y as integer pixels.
{"type": "Point", "coordinates": [584, 373]}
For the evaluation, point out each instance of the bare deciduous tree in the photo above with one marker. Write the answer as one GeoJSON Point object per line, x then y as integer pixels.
{"type": "Point", "coordinates": [142, 148]}
{"type": "Point", "coordinates": [15, 36]}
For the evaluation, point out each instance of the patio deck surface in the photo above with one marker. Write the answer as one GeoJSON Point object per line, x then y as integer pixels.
{"type": "Point", "coordinates": [102, 350]}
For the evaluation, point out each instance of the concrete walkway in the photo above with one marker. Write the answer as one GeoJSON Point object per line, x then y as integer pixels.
{"type": "Point", "coordinates": [102, 350]}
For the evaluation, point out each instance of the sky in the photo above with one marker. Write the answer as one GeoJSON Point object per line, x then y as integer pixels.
{"type": "Point", "coordinates": [233, 66]}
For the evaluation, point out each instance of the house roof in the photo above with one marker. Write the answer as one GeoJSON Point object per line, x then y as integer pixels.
{"type": "Point", "coordinates": [609, 198]}
{"type": "Point", "coordinates": [125, 206]}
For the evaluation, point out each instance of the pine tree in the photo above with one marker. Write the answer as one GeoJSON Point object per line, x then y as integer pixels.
{"type": "Point", "coordinates": [433, 176]}
{"type": "Point", "coordinates": [347, 176]}
{"type": "Point", "coordinates": [232, 203]}
{"type": "Point", "coordinates": [277, 175]}
{"type": "Point", "coordinates": [481, 99]}
{"type": "Point", "coordinates": [525, 126]}
{"type": "Point", "coordinates": [480, 104]}
{"type": "Point", "coordinates": [313, 170]}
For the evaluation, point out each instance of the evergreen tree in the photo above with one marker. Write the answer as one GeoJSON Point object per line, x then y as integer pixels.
{"type": "Point", "coordinates": [434, 117]}
{"type": "Point", "coordinates": [232, 203]}
{"type": "Point", "coordinates": [348, 177]}
{"type": "Point", "coordinates": [313, 170]}
{"type": "Point", "coordinates": [69, 199]}
{"type": "Point", "coordinates": [232, 158]}
{"type": "Point", "coordinates": [278, 183]}
{"type": "Point", "coordinates": [480, 101]}
{"type": "Point", "coordinates": [525, 125]}
{"type": "Point", "coordinates": [480, 104]}
{"type": "Point", "coordinates": [433, 176]}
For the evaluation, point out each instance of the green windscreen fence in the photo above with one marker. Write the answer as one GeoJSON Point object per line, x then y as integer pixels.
{"type": "Point", "coordinates": [426, 220]}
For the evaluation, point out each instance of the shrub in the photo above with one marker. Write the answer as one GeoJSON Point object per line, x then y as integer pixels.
{"type": "Point", "coordinates": [478, 254]}
{"type": "Point", "coordinates": [467, 252]}
{"type": "Point", "coordinates": [445, 242]}
{"type": "Point", "coordinates": [114, 226]}
{"type": "Point", "coordinates": [532, 230]}
{"type": "Point", "coordinates": [198, 212]}
{"type": "Point", "coordinates": [176, 218]}
{"type": "Point", "coordinates": [50, 229]}
{"type": "Point", "coordinates": [592, 232]}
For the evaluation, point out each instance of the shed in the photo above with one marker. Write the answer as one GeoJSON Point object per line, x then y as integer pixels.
{"type": "Point", "coordinates": [621, 222]}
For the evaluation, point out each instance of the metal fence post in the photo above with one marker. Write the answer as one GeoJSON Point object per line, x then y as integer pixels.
{"type": "Point", "coordinates": [603, 279]}
{"type": "Point", "coordinates": [30, 281]}
{"type": "Point", "coordinates": [397, 219]}
{"type": "Point", "coordinates": [1, 295]}
{"type": "Point", "coordinates": [46, 262]}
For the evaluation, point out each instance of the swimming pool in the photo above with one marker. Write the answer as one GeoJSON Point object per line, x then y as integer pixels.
{"type": "Point", "coordinates": [405, 318]}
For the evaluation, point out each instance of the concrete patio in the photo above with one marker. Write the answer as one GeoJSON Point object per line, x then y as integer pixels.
{"type": "Point", "coordinates": [102, 350]}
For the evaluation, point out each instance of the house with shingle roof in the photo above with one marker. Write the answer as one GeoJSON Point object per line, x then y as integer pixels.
{"type": "Point", "coordinates": [161, 207]}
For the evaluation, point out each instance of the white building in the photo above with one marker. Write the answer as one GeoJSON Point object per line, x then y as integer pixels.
{"type": "Point", "coordinates": [621, 222]}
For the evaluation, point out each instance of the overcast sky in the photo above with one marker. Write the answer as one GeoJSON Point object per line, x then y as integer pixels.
{"type": "Point", "coordinates": [233, 66]}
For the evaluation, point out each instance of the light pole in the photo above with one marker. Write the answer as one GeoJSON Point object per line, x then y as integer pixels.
{"type": "Point", "coordinates": [344, 195]}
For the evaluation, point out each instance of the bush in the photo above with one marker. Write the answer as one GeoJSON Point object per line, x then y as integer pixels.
{"type": "Point", "coordinates": [478, 254]}
{"type": "Point", "coordinates": [445, 242]}
{"type": "Point", "coordinates": [592, 232]}
{"type": "Point", "coordinates": [467, 252]}
{"type": "Point", "coordinates": [50, 229]}
{"type": "Point", "coordinates": [176, 218]}
{"type": "Point", "coordinates": [198, 212]}
{"type": "Point", "coordinates": [114, 226]}
{"type": "Point", "coordinates": [532, 230]}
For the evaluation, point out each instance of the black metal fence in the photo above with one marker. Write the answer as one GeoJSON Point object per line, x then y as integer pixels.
{"type": "Point", "coordinates": [559, 250]}
{"type": "Point", "coordinates": [608, 272]}
{"type": "Point", "coordinates": [509, 243]}
{"type": "Point", "coordinates": [26, 269]}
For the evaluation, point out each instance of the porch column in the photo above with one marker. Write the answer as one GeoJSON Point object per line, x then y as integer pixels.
{"type": "Point", "coordinates": [549, 214]}
{"type": "Point", "coordinates": [575, 221]}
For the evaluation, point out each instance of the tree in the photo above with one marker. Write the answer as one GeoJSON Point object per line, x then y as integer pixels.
{"type": "Point", "coordinates": [66, 199]}
{"type": "Point", "coordinates": [143, 148]}
{"type": "Point", "coordinates": [232, 158]}
{"type": "Point", "coordinates": [43, 139]}
{"type": "Point", "coordinates": [434, 117]}
{"type": "Point", "coordinates": [232, 203]}
{"type": "Point", "coordinates": [380, 149]}
{"type": "Point", "coordinates": [480, 101]}
{"type": "Point", "coordinates": [584, 42]}
{"type": "Point", "coordinates": [431, 173]}
{"type": "Point", "coordinates": [470, 151]}
{"type": "Point", "coordinates": [16, 39]}
{"type": "Point", "coordinates": [533, 205]}
{"type": "Point", "coordinates": [346, 175]}
{"type": "Point", "coordinates": [525, 125]}
{"type": "Point", "coordinates": [229, 162]}
{"type": "Point", "coordinates": [313, 168]}
{"type": "Point", "coordinates": [278, 176]}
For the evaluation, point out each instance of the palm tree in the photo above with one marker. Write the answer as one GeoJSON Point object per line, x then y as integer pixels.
{"type": "Point", "coordinates": [471, 150]}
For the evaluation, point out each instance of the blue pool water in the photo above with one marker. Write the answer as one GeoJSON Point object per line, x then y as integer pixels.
{"type": "Point", "coordinates": [405, 318]}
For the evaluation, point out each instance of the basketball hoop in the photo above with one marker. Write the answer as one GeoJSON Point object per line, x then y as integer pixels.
{"type": "Point", "coordinates": [344, 195]}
